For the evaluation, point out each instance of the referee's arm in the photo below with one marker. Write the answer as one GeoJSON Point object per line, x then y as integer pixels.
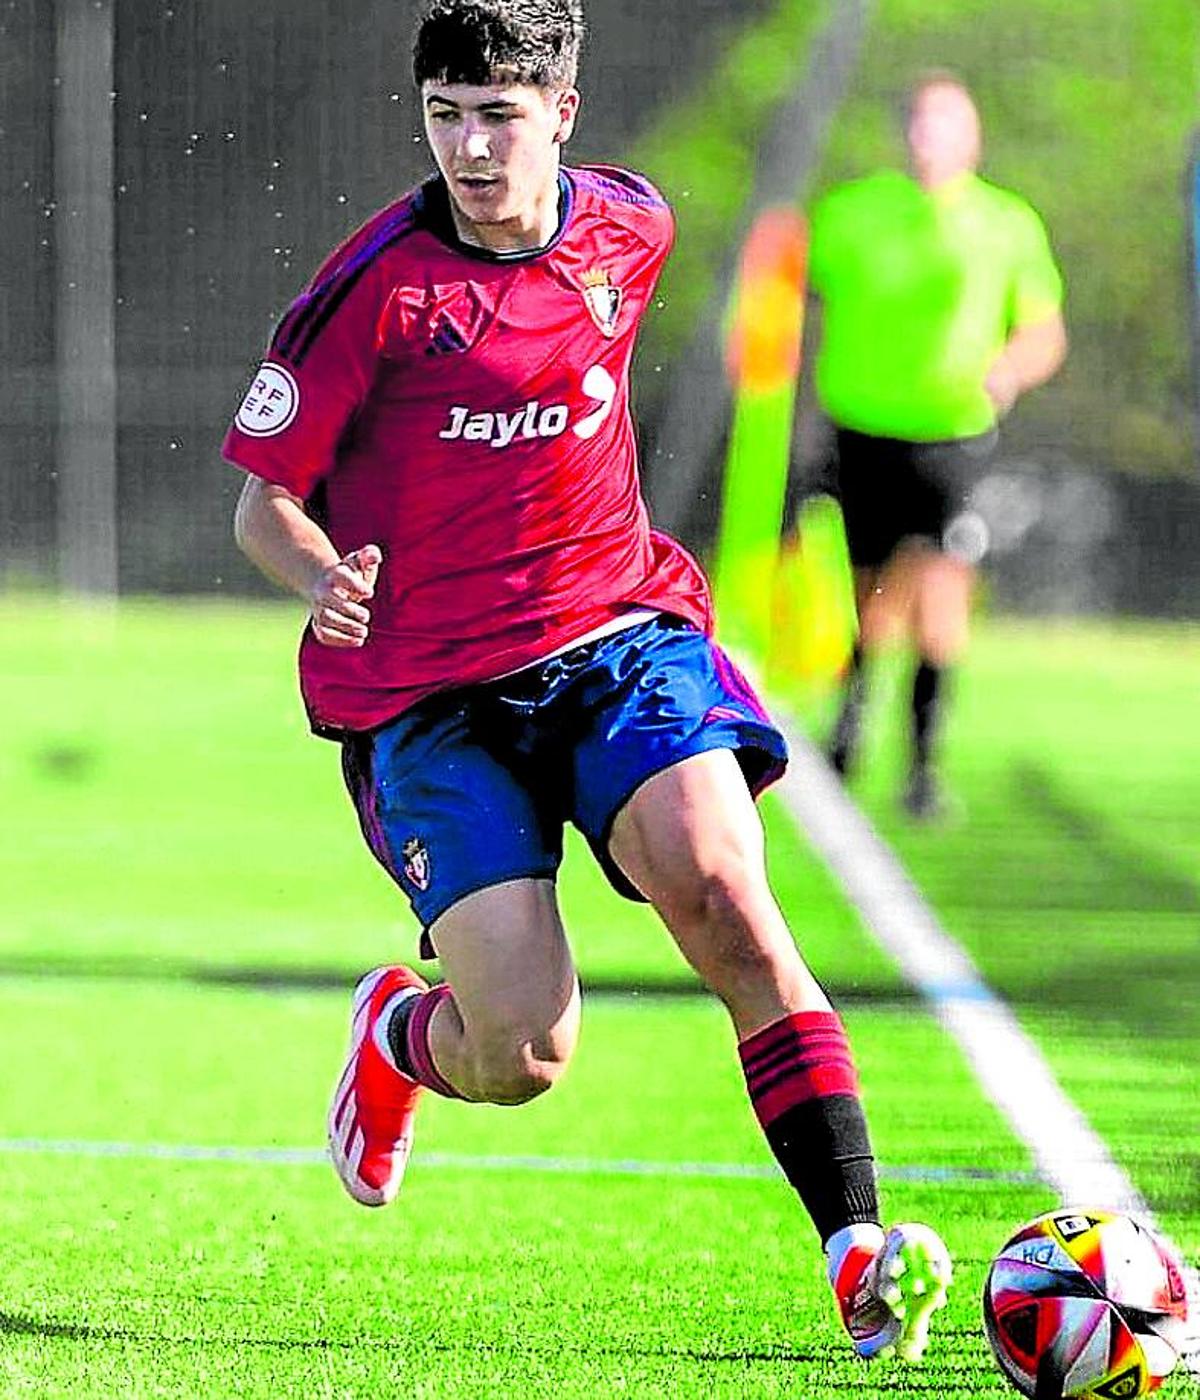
{"type": "Point", "coordinates": [1031, 355]}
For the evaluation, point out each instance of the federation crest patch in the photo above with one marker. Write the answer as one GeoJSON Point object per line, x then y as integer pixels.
{"type": "Point", "coordinates": [416, 862]}
{"type": "Point", "coordinates": [271, 402]}
{"type": "Point", "coordinates": [603, 300]}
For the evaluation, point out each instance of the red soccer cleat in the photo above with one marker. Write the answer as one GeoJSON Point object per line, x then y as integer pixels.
{"type": "Point", "coordinates": [371, 1116]}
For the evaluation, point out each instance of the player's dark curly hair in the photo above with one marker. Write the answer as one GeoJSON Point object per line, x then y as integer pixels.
{"type": "Point", "coordinates": [475, 41]}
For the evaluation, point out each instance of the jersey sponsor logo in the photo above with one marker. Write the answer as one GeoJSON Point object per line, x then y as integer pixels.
{"type": "Point", "coordinates": [532, 420]}
{"type": "Point", "coordinates": [271, 402]}
{"type": "Point", "coordinates": [602, 299]}
{"type": "Point", "coordinates": [599, 385]}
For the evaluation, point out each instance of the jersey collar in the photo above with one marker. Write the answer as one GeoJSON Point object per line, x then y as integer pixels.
{"type": "Point", "coordinates": [432, 208]}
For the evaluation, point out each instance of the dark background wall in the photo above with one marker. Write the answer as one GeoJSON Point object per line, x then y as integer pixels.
{"type": "Point", "coordinates": [249, 140]}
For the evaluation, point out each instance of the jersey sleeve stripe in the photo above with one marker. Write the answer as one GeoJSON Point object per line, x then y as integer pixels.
{"type": "Point", "coordinates": [312, 312]}
{"type": "Point", "coordinates": [625, 186]}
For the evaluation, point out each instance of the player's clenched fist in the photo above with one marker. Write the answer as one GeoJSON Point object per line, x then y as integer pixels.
{"type": "Point", "coordinates": [339, 618]}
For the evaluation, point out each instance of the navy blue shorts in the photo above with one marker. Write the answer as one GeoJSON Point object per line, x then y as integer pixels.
{"type": "Point", "coordinates": [472, 787]}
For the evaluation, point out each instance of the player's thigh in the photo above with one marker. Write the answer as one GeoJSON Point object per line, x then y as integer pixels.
{"type": "Point", "coordinates": [504, 952]}
{"type": "Point", "coordinates": [691, 840]}
{"type": "Point", "coordinates": [687, 824]}
{"type": "Point", "coordinates": [655, 696]}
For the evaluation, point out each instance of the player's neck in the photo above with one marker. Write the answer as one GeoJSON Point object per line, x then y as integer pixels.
{"type": "Point", "coordinates": [934, 179]}
{"type": "Point", "coordinates": [533, 228]}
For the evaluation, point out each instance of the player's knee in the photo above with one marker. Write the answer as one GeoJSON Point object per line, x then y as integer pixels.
{"type": "Point", "coordinates": [941, 640]}
{"type": "Point", "coordinates": [514, 1072]}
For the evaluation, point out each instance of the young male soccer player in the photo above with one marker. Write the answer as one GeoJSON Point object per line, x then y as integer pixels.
{"type": "Point", "coordinates": [442, 464]}
{"type": "Point", "coordinates": [941, 304]}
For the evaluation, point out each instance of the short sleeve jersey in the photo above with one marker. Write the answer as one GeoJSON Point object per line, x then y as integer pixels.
{"type": "Point", "coordinates": [920, 292]}
{"type": "Point", "coordinates": [469, 413]}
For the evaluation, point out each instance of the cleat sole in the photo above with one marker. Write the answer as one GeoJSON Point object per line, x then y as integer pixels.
{"type": "Point", "coordinates": [921, 1281]}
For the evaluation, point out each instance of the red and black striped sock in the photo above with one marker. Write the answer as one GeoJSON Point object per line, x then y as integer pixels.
{"type": "Point", "coordinates": [408, 1037]}
{"type": "Point", "coordinates": [804, 1089]}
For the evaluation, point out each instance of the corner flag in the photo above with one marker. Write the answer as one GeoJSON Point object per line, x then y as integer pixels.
{"type": "Point", "coordinates": [763, 358]}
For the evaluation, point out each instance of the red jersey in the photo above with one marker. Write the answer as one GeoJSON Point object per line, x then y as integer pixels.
{"type": "Point", "coordinates": [469, 413]}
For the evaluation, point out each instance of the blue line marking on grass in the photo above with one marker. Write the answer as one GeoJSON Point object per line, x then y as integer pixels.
{"type": "Point", "coordinates": [960, 990]}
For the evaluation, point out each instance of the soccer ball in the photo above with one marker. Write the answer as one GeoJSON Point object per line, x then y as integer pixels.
{"type": "Point", "coordinates": [1085, 1303]}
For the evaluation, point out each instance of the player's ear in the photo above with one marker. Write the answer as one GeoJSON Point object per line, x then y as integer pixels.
{"type": "Point", "coordinates": [566, 106]}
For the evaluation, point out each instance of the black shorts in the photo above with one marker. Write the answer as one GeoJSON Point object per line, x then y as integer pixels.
{"type": "Point", "coordinates": [893, 490]}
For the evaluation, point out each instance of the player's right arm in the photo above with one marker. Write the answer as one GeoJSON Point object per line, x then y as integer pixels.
{"type": "Point", "coordinates": [276, 533]}
{"type": "Point", "coordinates": [319, 370]}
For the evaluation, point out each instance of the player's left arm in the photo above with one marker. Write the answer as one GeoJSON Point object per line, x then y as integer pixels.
{"type": "Point", "coordinates": [1037, 340]}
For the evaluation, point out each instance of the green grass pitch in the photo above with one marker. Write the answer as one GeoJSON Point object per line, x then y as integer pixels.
{"type": "Point", "coordinates": [186, 904]}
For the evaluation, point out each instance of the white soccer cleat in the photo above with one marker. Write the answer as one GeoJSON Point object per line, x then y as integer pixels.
{"type": "Point", "coordinates": [887, 1297]}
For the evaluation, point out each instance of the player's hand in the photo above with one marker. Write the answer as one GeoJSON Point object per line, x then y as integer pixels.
{"type": "Point", "coordinates": [1002, 386]}
{"type": "Point", "coordinates": [339, 618]}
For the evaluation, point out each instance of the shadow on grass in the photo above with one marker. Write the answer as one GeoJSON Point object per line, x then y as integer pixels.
{"type": "Point", "coordinates": [20, 1325]}
{"type": "Point", "coordinates": [1122, 874]}
{"type": "Point", "coordinates": [304, 978]}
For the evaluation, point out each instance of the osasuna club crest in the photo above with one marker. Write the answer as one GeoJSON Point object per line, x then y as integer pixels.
{"type": "Point", "coordinates": [603, 299]}
{"type": "Point", "coordinates": [416, 862]}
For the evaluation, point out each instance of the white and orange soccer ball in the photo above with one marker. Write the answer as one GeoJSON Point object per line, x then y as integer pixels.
{"type": "Point", "coordinates": [1087, 1304]}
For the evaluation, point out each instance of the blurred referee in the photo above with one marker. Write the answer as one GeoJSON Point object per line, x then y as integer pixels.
{"type": "Point", "coordinates": [941, 305]}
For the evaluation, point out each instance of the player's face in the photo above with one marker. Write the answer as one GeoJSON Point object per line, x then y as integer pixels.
{"type": "Point", "coordinates": [943, 133]}
{"type": "Point", "coordinates": [497, 147]}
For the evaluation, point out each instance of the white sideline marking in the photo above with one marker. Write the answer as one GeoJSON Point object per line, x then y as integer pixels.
{"type": "Point", "coordinates": [462, 1161]}
{"type": "Point", "coordinates": [1070, 1155]}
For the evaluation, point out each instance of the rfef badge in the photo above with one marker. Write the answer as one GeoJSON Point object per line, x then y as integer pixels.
{"type": "Point", "coordinates": [271, 402]}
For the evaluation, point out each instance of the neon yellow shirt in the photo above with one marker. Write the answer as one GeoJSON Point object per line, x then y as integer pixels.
{"type": "Point", "coordinates": [921, 290]}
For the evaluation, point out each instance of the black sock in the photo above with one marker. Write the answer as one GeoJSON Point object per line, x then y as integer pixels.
{"type": "Point", "coordinates": [844, 742]}
{"type": "Point", "coordinates": [397, 1035]}
{"type": "Point", "coordinates": [928, 697]}
{"type": "Point", "coordinates": [855, 683]}
{"type": "Point", "coordinates": [805, 1093]}
{"type": "Point", "coordinates": [825, 1153]}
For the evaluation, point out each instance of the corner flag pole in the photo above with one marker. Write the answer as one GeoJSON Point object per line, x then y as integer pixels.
{"type": "Point", "coordinates": [1193, 225]}
{"type": "Point", "coordinates": [763, 359]}
{"type": "Point", "coordinates": [85, 297]}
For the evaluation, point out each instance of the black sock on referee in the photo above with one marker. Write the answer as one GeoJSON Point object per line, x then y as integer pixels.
{"type": "Point", "coordinates": [930, 684]}
{"type": "Point", "coordinates": [855, 684]}
{"type": "Point", "coordinates": [843, 743]}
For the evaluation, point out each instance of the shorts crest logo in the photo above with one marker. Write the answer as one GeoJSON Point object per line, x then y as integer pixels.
{"type": "Point", "coordinates": [603, 299]}
{"type": "Point", "coordinates": [271, 402]}
{"type": "Point", "coordinates": [416, 862]}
